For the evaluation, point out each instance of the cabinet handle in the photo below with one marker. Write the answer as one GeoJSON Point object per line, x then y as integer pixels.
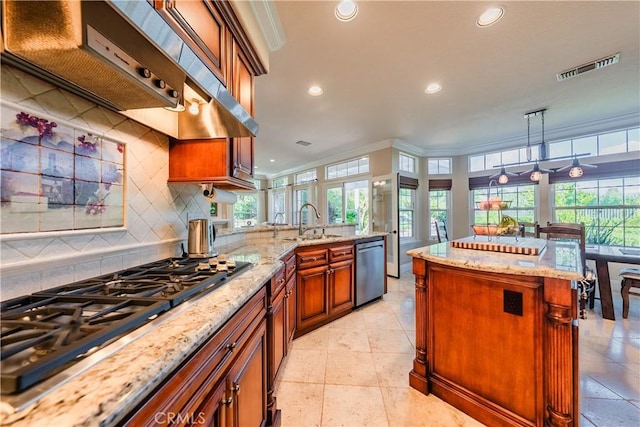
{"type": "Point", "coordinates": [227, 402]}
{"type": "Point", "coordinates": [236, 388]}
{"type": "Point", "coordinates": [231, 346]}
{"type": "Point", "coordinates": [281, 281]}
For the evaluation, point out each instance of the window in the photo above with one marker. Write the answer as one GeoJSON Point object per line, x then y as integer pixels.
{"type": "Point", "coordinates": [348, 168]}
{"type": "Point", "coordinates": [304, 177]}
{"type": "Point", "coordinates": [245, 210]}
{"type": "Point", "coordinates": [438, 210]}
{"type": "Point", "coordinates": [301, 196]}
{"type": "Point", "coordinates": [609, 208]}
{"type": "Point", "coordinates": [406, 163]}
{"type": "Point", "coordinates": [489, 161]}
{"type": "Point", "coordinates": [278, 196]}
{"type": "Point", "coordinates": [621, 141]}
{"type": "Point", "coordinates": [335, 211]}
{"type": "Point", "coordinates": [439, 167]}
{"type": "Point", "coordinates": [406, 206]}
{"type": "Point", "coordinates": [279, 182]}
{"type": "Point", "coordinates": [521, 200]}
{"type": "Point", "coordinates": [278, 199]}
{"type": "Point", "coordinates": [357, 205]}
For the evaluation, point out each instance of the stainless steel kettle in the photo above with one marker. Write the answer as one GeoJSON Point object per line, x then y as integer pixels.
{"type": "Point", "coordinates": [202, 234]}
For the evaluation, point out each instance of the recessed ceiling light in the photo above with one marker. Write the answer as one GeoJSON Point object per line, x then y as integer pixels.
{"type": "Point", "coordinates": [433, 88]}
{"type": "Point", "coordinates": [272, 160]}
{"type": "Point", "coordinates": [346, 10]}
{"type": "Point", "coordinates": [490, 16]}
{"type": "Point", "coordinates": [315, 91]}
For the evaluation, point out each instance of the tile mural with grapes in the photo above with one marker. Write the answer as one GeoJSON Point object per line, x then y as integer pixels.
{"type": "Point", "coordinates": [56, 177]}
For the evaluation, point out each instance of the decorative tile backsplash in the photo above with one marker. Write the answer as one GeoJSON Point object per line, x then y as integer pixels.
{"type": "Point", "coordinates": [155, 212]}
{"type": "Point", "coordinates": [56, 176]}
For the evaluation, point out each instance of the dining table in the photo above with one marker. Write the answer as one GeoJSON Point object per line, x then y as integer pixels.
{"type": "Point", "coordinates": [603, 255]}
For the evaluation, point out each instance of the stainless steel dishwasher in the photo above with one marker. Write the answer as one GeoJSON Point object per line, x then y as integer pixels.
{"type": "Point", "coordinates": [369, 271]}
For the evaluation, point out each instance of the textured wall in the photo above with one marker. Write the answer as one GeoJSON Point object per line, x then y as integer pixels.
{"type": "Point", "coordinates": [156, 213]}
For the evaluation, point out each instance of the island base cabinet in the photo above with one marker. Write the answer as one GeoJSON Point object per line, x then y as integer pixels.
{"type": "Point", "coordinates": [499, 347]}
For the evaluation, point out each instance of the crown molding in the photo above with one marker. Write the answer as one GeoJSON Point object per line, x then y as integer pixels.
{"type": "Point", "coordinates": [268, 20]}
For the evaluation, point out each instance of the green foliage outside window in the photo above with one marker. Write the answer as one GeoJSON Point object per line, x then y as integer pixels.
{"type": "Point", "coordinates": [609, 208]}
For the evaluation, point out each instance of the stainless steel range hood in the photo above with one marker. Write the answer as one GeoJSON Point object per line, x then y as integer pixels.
{"type": "Point", "coordinates": [124, 56]}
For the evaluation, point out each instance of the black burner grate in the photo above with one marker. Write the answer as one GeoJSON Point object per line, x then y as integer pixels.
{"type": "Point", "coordinates": [44, 333]}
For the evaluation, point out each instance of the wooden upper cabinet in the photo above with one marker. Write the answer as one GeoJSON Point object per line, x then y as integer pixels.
{"type": "Point", "coordinates": [242, 74]}
{"type": "Point", "coordinates": [242, 90]}
{"type": "Point", "coordinates": [200, 25]}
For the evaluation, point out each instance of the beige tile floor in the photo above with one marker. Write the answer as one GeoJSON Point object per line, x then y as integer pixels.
{"type": "Point", "coordinates": [354, 371]}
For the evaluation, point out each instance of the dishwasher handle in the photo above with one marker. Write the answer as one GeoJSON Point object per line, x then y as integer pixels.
{"type": "Point", "coordinates": [367, 246]}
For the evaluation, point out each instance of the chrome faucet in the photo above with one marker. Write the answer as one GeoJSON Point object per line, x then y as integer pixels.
{"type": "Point", "coordinates": [275, 223]}
{"type": "Point", "coordinates": [301, 229]}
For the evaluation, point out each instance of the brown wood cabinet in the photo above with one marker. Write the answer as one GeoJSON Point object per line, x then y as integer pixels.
{"type": "Point", "coordinates": [200, 24]}
{"type": "Point", "coordinates": [213, 30]}
{"type": "Point", "coordinates": [500, 347]}
{"type": "Point", "coordinates": [206, 389]}
{"type": "Point", "coordinates": [206, 161]}
{"type": "Point", "coordinates": [279, 327]}
{"type": "Point", "coordinates": [325, 285]}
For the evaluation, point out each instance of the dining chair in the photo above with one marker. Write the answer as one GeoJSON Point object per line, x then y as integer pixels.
{"type": "Point", "coordinates": [565, 231]}
{"type": "Point", "coordinates": [630, 279]}
{"type": "Point", "coordinates": [527, 229]}
{"type": "Point", "coordinates": [441, 231]}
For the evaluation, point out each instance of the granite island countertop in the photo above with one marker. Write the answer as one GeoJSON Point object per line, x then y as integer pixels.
{"type": "Point", "coordinates": [111, 388]}
{"type": "Point", "coordinates": [559, 260]}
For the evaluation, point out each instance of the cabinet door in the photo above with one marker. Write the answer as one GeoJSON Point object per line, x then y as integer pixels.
{"type": "Point", "coordinates": [278, 335]}
{"type": "Point", "coordinates": [201, 26]}
{"type": "Point", "coordinates": [313, 304]}
{"type": "Point", "coordinates": [213, 411]}
{"type": "Point", "coordinates": [247, 382]}
{"type": "Point", "coordinates": [341, 296]}
{"type": "Point", "coordinates": [242, 76]}
{"type": "Point", "coordinates": [290, 310]}
{"type": "Point", "coordinates": [242, 90]}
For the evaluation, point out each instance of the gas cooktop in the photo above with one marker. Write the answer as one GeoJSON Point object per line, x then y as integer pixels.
{"type": "Point", "coordinates": [46, 332]}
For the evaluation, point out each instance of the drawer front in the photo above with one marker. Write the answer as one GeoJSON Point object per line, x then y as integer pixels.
{"type": "Point", "coordinates": [312, 258]}
{"type": "Point", "coordinates": [341, 253]}
{"type": "Point", "coordinates": [290, 266]}
{"type": "Point", "coordinates": [277, 282]}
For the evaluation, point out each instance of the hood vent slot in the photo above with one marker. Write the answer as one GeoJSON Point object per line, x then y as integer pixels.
{"type": "Point", "coordinates": [593, 65]}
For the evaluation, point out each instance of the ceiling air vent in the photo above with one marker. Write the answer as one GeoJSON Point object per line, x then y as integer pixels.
{"type": "Point", "coordinates": [593, 65]}
{"type": "Point", "coordinates": [303, 143]}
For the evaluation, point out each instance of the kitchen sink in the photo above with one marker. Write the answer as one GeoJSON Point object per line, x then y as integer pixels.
{"type": "Point", "coordinates": [308, 237]}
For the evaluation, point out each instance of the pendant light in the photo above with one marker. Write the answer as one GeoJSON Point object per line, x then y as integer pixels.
{"type": "Point", "coordinates": [536, 172]}
{"type": "Point", "coordinates": [503, 175]}
{"type": "Point", "coordinates": [576, 168]}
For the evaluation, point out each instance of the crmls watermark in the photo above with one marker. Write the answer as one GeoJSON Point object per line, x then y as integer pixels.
{"type": "Point", "coordinates": [179, 418]}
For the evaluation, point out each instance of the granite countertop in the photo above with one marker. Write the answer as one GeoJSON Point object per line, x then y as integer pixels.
{"type": "Point", "coordinates": [560, 260]}
{"type": "Point", "coordinates": [108, 390]}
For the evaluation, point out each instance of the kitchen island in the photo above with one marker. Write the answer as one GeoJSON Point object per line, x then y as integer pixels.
{"type": "Point", "coordinates": [111, 384]}
{"type": "Point", "coordinates": [497, 333]}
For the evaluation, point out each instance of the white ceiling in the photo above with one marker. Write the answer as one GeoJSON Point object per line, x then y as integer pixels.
{"type": "Point", "coordinates": [375, 68]}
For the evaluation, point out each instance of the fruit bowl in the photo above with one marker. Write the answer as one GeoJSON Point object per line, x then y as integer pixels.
{"type": "Point", "coordinates": [485, 229]}
{"type": "Point", "coordinates": [493, 205]}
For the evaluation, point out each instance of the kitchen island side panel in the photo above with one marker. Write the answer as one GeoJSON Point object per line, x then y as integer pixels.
{"type": "Point", "coordinates": [497, 346]}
